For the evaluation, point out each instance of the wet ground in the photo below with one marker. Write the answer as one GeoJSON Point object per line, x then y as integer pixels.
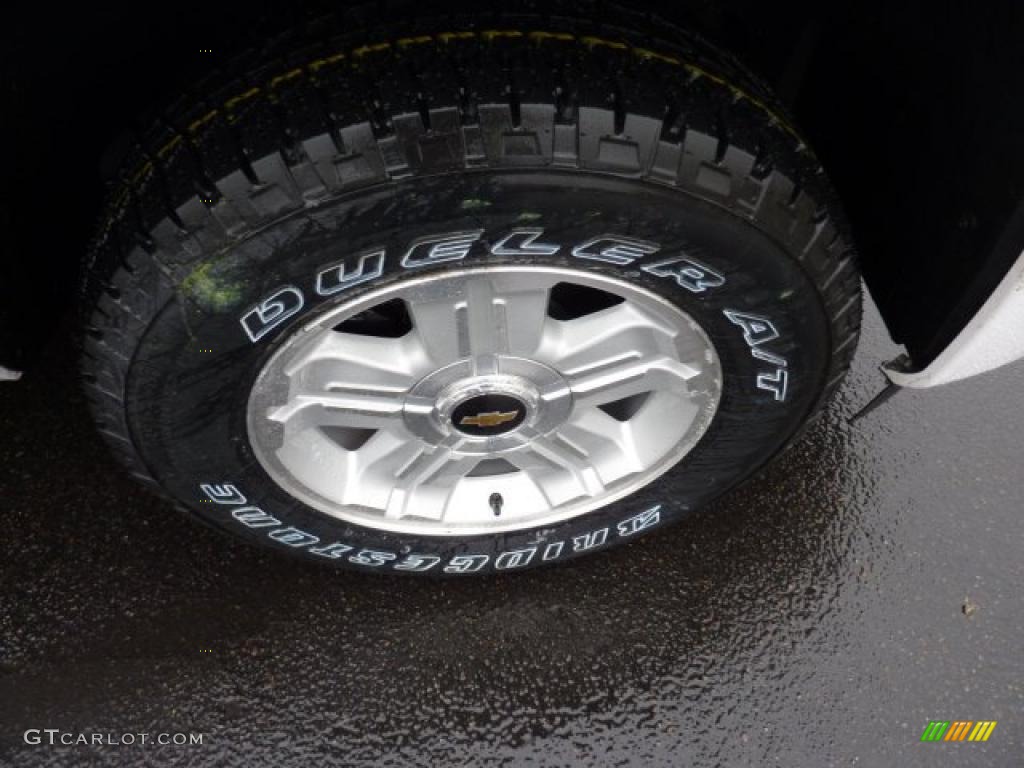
{"type": "Point", "coordinates": [821, 615]}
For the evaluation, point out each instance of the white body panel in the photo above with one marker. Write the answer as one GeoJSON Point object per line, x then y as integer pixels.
{"type": "Point", "coordinates": [993, 337]}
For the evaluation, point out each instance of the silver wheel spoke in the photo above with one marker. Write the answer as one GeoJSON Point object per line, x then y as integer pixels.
{"type": "Point", "coordinates": [348, 380]}
{"type": "Point", "coordinates": [618, 379]}
{"type": "Point", "coordinates": [372, 469]}
{"type": "Point", "coordinates": [559, 470]}
{"type": "Point", "coordinates": [362, 409]}
{"type": "Point", "coordinates": [617, 353]}
{"type": "Point", "coordinates": [347, 358]}
{"type": "Point", "coordinates": [424, 487]}
{"type": "Point", "coordinates": [488, 415]}
{"type": "Point", "coordinates": [524, 306]}
{"type": "Point", "coordinates": [440, 327]}
{"type": "Point", "coordinates": [607, 443]}
{"type": "Point", "coordinates": [483, 322]}
{"type": "Point", "coordinates": [487, 317]}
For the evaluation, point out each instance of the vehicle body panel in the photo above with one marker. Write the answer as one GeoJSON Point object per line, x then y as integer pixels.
{"type": "Point", "coordinates": [992, 338]}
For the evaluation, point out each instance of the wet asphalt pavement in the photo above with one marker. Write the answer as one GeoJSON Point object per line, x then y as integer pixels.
{"type": "Point", "coordinates": [820, 615]}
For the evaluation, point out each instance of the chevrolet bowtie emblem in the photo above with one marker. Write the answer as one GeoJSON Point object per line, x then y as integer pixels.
{"type": "Point", "coordinates": [489, 419]}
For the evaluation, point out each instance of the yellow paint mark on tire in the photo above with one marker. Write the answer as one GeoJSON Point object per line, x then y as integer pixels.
{"type": "Point", "coordinates": [490, 34]}
{"type": "Point", "coordinates": [290, 75]}
{"type": "Point", "coordinates": [236, 100]}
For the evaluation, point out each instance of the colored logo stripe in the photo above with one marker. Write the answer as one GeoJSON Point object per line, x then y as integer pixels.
{"type": "Point", "coordinates": [958, 730]}
{"type": "Point", "coordinates": [982, 730]}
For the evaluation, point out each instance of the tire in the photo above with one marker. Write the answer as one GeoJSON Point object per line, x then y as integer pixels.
{"type": "Point", "coordinates": [456, 153]}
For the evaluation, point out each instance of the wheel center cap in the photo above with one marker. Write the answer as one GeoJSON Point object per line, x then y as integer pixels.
{"type": "Point", "coordinates": [488, 415]}
{"type": "Point", "coordinates": [486, 406]}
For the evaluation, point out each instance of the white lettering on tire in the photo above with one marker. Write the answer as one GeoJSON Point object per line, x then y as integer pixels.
{"type": "Point", "coordinates": [615, 249]}
{"type": "Point", "coordinates": [690, 274]}
{"type": "Point", "coordinates": [466, 563]}
{"type": "Point", "coordinates": [285, 302]}
{"type": "Point", "coordinates": [523, 242]}
{"type": "Point", "coordinates": [222, 494]}
{"type": "Point", "coordinates": [293, 537]}
{"type": "Point", "coordinates": [758, 330]}
{"type": "Point", "coordinates": [517, 558]}
{"type": "Point", "coordinates": [254, 517]}
{"type": "Point", "coordinates": [296, 538]}
{"type": "Point", "coordinates": [591, 540]}
{"type": "Point", "coordinates": [336, 278]}
{"type": "Point", "coordinates": [454, 246]}
{"type": "Point", "coordinates": [553, 550]}
{"type": "Point", "coordinates": [774, 382]}
{"type": "Point", "coordinates": [417, 563]}
{"type": "Point", "coordinates": [372, 557]}
{"type": "Point", "coordinates": [647, 519]}
{"type": "Point", "coordinates": [334, 551]}
{"type": "Point", "coordinates": [271, 312]}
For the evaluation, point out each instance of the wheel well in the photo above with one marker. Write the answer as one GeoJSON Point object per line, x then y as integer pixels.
{"type": "Point", "coordinates": [921, 142]}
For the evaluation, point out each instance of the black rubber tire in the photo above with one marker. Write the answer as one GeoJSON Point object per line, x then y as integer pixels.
{"type": "Point", "coordinates": [453, 124]}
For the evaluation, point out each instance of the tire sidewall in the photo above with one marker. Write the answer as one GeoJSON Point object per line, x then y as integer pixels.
{"type": "Point", "coordinates": [189, 383]}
